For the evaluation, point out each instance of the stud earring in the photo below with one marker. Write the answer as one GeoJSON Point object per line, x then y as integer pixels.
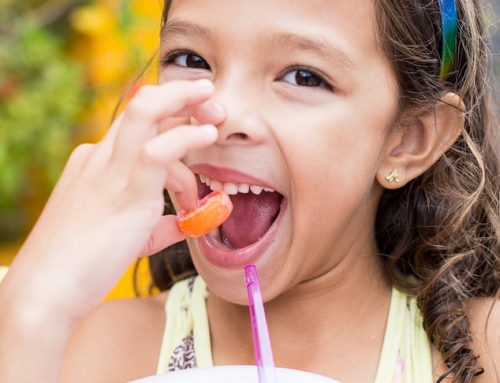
{"type": "Point", "coordinates": [393, 176]}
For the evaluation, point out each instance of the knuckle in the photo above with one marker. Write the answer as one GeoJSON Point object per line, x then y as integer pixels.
{"type": "Point", "coordinates": [141, 102]}
{"type": "Point", "coordinates": [81, 153]}
{"type": "Point", "coordinates": [146, 157]}
{"type": "Point", "coordinates": [79, 158]}
{"type": "Point", "coordinates": [136, 107]}
{"type": "Point", "coordinates": [144, 91]}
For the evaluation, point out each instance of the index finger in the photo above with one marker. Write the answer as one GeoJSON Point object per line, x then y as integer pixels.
{"type": "Point", "coordinates": [149, 107]}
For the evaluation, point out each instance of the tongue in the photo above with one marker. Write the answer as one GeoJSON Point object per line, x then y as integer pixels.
{"type": "Point", "coordinates": [251, 217]}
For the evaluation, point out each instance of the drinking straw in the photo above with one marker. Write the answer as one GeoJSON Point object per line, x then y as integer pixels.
{"type": "Point", "coordinates": [261, 343]}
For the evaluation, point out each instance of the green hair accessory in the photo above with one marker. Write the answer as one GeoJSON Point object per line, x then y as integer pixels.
{"type": "Point", "coordinates": [449, 26]}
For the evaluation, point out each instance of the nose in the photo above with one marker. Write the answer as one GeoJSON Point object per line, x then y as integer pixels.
{"type": "Point", "coordinates": [245, 122]}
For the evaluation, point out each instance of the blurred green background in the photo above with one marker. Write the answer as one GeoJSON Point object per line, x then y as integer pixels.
{"type": "Point", "coordinates": [63, 67]}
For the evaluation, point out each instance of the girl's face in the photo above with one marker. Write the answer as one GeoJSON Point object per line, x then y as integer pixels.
{"type": "Point", "coordinates": [310, 102]}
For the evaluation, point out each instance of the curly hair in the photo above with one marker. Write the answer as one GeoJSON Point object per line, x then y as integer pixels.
{"type": "Point", "coordinates": [443, 228]}
{"type": "Point", "coordinates": [439, 235]}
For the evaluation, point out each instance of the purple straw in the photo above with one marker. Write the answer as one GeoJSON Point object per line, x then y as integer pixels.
{"type": "Point", "coordinates": [261, 343]}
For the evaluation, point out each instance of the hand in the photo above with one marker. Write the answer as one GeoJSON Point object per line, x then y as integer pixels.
{"type": "Point", "coordinates": [105, 210]}
{"type": "Point", "coordinates": [107, 206]}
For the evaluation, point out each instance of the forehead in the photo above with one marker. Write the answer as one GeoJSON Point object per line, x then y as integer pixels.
{"type": "Point", "coordinates": [348, 25]}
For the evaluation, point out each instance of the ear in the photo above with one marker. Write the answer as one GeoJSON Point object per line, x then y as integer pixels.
{"type": "Point", "coordinates": [420, 140]}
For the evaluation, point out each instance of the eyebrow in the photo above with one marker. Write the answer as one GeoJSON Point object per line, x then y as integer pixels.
{"type": "Point", "coordinates": [279, 40]}
{"type": "Point", "coordinates": [180, 29]}
{"type": "Point", "coordinates": [287, 41]}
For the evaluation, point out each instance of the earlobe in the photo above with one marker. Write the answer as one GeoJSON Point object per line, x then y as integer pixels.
{"type": "Point", "coordinates": [420, 140]}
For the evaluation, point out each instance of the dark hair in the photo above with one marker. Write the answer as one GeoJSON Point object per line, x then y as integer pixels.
{"type": "Point", "coordinates": [443, 228]}
{"type": "Point", "coordinates": [439, 235]}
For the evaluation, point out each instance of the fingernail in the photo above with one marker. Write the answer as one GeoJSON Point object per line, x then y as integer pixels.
{"type": "Point", "coordinates": [210, 131]}
{"type": "Point", "coordinates": [205, 84]}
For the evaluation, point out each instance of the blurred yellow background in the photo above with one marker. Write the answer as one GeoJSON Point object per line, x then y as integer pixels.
{"type": "Point", "coordinates": [64, 66]}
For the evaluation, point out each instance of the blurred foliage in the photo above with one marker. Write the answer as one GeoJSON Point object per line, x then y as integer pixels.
{"type": "Point", "coordinates": [63, 66]}
{"type": "Point", "coordinates": [42, 93]}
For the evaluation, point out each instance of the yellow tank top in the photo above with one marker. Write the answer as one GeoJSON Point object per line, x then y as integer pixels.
{"type": "Point", "coordinates": [406, 353]}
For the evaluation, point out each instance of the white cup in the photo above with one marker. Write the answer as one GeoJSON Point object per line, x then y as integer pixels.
{"type": "Point", "coordinates": [233, 374]}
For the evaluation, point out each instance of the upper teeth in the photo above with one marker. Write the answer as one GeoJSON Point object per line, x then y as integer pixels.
{"type": "Point", "coordinates": [232, 188]}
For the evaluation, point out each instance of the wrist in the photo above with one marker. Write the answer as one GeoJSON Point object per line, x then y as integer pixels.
{"type": "Point", "coordinates": [32, 332]}
{"type": "Point", "coordinates": [31, 297]}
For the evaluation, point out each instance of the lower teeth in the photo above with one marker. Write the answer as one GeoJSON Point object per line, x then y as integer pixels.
{"type": "Point", "coordinates": [214, 235]}
{"type": "Point", "coordinates": [224, 239]}
{"type": "Point", "coordinates": [219, 239]}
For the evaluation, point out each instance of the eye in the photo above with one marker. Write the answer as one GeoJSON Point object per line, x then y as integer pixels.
{"type": "Point", "coordinates": [185, 59]}
{"type": "Point", "coordinates": [305, 77]}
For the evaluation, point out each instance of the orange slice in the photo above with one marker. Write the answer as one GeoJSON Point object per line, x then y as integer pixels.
{"type": "Point", "coordinates": [214, 209]}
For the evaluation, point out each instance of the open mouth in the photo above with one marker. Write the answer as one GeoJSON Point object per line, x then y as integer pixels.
{"type": "Point", "coordinates": [255, 208]}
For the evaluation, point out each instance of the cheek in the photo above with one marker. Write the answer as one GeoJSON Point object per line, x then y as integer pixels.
{"type": "Point", "coordinates": [163, 77]}
{"type": "Point", "coordinates": [177, 73]}
{"type": "Point", "coordinates": [333, 162]}
{"type": "Point", "coordinates": [335, 148]}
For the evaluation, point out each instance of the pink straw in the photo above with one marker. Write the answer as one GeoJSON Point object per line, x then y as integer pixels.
{"type": "Point", "coordinates": [261, 342]}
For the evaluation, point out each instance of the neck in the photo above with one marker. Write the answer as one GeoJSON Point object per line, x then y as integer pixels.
{"type": "Point", "coordinates": [318, 318]}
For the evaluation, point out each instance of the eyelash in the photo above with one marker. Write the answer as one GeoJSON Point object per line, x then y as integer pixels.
{"type": "Point", "coordinates": [304, 69]}
{"type": "Point", "coordinates": [171, 57]}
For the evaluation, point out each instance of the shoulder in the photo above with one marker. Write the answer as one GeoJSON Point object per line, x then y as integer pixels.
{"type": "Point", "coordinates": [119, 341]}
{"type": "Point", "coordinates": [484, 316]}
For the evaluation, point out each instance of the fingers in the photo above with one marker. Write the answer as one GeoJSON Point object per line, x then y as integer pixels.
{"type": "Point", "coordinates": [182, 182]}
{"type": "Point", "coordinates": [152, 105]}
{"type": "Point", "coordinates": [76, 162]}
{"type": "Point", "coordinates": [208, 113]}
{"type": "Point", "coordinates": [179, 141]}
{"type": "Point", "coordinates": [163, 235]}
{"type": "Point", "coordinates": [136, 154]}
{"type": "Point", "coordinates": [112, 133]}
{"type": "Point", "coordinates": [108, 204]}
{"type": "Point", "coordinates": [159, 161]}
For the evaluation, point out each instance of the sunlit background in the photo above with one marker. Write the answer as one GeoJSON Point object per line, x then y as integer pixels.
{"type": "Point", "coordinates": [64, 65]}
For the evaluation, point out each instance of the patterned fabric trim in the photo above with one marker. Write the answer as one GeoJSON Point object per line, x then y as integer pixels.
{"type": "Point", "coordinates": [183, 356]}
{"type": "Point", "coordinates": [186, 340]}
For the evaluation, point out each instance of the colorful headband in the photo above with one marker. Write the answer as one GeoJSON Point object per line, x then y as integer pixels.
{"type": "Point", "coordinates": [449, 24]}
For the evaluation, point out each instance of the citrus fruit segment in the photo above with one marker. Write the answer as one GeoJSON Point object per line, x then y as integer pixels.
{"type": "Point", "coordinates": [214, 209]}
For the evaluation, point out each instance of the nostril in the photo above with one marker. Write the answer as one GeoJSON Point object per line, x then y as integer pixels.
{"type": "Point", "coordinates": [241, 128]}
{"type": "Point", "coordinates": [238, 136]}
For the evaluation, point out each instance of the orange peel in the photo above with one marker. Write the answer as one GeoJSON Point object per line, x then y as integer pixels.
{"type": "Point", "coordinates": [213, 210]}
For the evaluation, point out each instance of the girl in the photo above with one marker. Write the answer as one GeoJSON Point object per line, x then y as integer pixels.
{"type": "Point", "coordinates": [356, 141]}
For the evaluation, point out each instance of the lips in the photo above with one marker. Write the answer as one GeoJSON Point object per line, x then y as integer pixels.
{"type": "Point", "coordinates": [251, 227]}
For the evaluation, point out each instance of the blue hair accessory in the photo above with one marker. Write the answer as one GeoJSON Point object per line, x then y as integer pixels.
{"type": "Point", "coordinates": [449, 26]}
